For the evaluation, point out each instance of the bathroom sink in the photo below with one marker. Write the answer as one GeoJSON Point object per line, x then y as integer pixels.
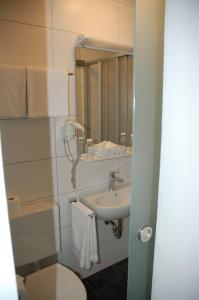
{"type": "Point", "coordinates": [109, 205]}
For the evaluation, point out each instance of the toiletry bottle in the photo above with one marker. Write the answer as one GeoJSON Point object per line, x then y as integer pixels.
{"type": "Point", "coordinates": [123, 140]}
{"type": "Point", "coordinates": [129, 148]}
{"type": "Point", "coordinates": [90, 148]}
{"type": "Point", "coordinates": [81, 145]}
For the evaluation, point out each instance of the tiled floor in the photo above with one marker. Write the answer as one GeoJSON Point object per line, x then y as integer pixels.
{"type": "Point", "coordinates": [110, 283]}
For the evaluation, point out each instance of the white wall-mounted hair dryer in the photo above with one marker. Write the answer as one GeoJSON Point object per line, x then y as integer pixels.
{"type": "Point", "coordinates": [70, 129]}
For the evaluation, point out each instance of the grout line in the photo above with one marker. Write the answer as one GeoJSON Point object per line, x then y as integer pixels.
{"type": "Point", "coordinates": [28, 202]}
{"type": "Point", "coordinates": [52, 38]}
{"type": "Point", "coordinates": [56, 162]}
{"type": "Point", "coordinates": [27, 24]}
{"type": "Point", "coordinates": [39, 26]}
{"type": "Point", "coordinates": [29, 161]}
{"type": "Point", "coordinates": [126, 4]}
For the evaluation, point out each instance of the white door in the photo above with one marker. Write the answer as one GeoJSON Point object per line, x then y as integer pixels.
{"type": "Point", "coordinates": [148, 71]}
{"type": "Point", "coordinates": [176, 262]}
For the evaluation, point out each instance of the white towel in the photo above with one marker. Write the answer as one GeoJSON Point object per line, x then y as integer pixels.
{"type": "Point", "coordinates": [46, 92]}
{"type": "Point", "coordinates": [84, 235]}
{"type": "Point", "coordinates": [108, 149]}
{"type": "Point", "coordinates": [12, 92]}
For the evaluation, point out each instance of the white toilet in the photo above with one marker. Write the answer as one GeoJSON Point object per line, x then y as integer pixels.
{"type": "Point", "coordinates": [55, 283]}
{"type": "Point", "coordinates": [36, 235]}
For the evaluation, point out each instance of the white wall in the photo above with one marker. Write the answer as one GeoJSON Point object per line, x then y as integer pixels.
{"type": "Point", "coordinates": [43, 33]}
{"type": "Point", "coordinates": [176, 270]}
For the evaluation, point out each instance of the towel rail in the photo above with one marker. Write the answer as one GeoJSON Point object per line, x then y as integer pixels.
{"type": "Point", "coordinates": [74, 200]}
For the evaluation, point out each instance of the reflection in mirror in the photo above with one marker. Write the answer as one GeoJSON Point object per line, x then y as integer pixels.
{"type": "Point", "coordinates": [104, 94]}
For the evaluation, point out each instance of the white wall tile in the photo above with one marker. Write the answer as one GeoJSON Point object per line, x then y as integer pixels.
{"type": "Point", "coordinates": [27, 139]}
{"type": "Point", "coordinates": [31, 180]}
{"type": "Point", "coordinates": [104, 232]}
{"type": "Point", "coordinates": [64, 50]}
{"type": "Point", "coordinates": [107, 255]}
{"type": "Point", "coordinates": [64, 58]}
{"type": "Point", "coordinates": [91, 17]}
{"type": "Point", "coordinates": [59, 138]}
{"type": "Point", "coordinates": [65, 209]}
{"type": "Point", "coordinates": [25, 45]}
{"type": "Point", "coordinates": [67, 243]}
{"type": "Point", "coordinates": [88, 174]}
{"type": "Point", "coordinates": [72, 263]}
{"type": "Point", "coordinates": [125, 167]}
{"type": "Point", "coordinates": [122, 247]}
{"type": "Point", "coordinates": [30, 12]}
{"type": "Point", "coordinates": [126, 24]}
{"type": "Point", "coordinates": [126, 222]}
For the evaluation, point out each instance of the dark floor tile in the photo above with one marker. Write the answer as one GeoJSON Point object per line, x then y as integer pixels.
{"type": "Point", "coordinates": [121, 268]}
{"type": "Point", "coordinates": [117, 291]}
{"type": "Point", "coordinates": [102, 279]}
{"type": "Point", "coordinates": [91, 294]}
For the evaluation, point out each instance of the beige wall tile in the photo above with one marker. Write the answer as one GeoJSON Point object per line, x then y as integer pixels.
{"type": "Point", "coordinates": [27, 139]}
{"type": "Point", "coordinates": [126, 24]}
{"type": "Point", "coordinates": [91, 17]}
{"type": "Point", "coordinates": [31, 12]}
{"type": "Point", "coordinates": [127, 2]}
{"type": "Point", "coordinates": [25, 45]}
{"type": "Point", "coordinates": [31, 180]}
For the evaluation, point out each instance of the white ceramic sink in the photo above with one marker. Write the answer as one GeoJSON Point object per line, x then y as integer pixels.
{"type": "Point", "coordinates": [109, 205]}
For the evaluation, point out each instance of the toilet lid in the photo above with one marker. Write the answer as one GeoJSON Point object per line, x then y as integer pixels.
{"type": "Point", "coordinates": [55, 283]}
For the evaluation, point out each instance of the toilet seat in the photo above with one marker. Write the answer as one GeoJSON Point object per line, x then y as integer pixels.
{"type": "Point", "coordinates": [55, 283]}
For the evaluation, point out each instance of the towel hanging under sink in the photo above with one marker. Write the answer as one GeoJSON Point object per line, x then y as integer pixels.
{"type": "Point", "coordinates": [84, 235]}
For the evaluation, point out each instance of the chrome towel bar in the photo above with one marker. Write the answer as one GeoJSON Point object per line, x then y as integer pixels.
{"type": "Point", "coordinates": [74, 200]}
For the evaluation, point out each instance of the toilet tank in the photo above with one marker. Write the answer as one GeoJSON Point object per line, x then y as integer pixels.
{"type": "Point", "coordinates": [35, 232]}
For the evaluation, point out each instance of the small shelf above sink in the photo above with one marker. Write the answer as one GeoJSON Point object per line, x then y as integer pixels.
{"type": "Point", "coordinates": [86, 158]}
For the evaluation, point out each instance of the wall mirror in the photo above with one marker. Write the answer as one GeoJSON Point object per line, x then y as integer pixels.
{"type": "Point", "coordinates": [104, 91]}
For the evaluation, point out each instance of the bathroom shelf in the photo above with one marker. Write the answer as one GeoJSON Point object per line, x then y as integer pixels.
{"type": "Point", "coordinates": [85, 157]}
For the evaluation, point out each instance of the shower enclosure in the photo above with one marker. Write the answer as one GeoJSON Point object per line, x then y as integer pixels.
{"type": "Point", "coordinates": [104, 93]}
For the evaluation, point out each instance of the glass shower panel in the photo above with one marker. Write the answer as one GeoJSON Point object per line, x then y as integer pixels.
{"type": "Point", "coordinates": [109, 95]}
{"type": "Point", "coordinates": [117, 78]}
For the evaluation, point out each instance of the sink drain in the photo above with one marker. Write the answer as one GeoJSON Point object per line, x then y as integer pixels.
{"type": "Point", "coordinates": [117, 228]}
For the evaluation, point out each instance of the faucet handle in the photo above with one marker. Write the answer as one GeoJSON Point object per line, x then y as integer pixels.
{"type": "Point", "coordinates": [113, 173]}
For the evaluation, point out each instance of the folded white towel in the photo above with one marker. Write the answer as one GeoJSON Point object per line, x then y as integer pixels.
{"type": "Point", "coordinates": [12, 92]}
{"type": "Point", "coordinates": [84, 235]}
{"type": "Point", "coordinates": [46, 92]}
{"type": "Point", "coordinates": [108, 149]}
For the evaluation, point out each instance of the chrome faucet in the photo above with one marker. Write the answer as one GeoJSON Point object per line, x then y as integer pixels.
{"type": "Point", "coordinates": [114, 179]}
